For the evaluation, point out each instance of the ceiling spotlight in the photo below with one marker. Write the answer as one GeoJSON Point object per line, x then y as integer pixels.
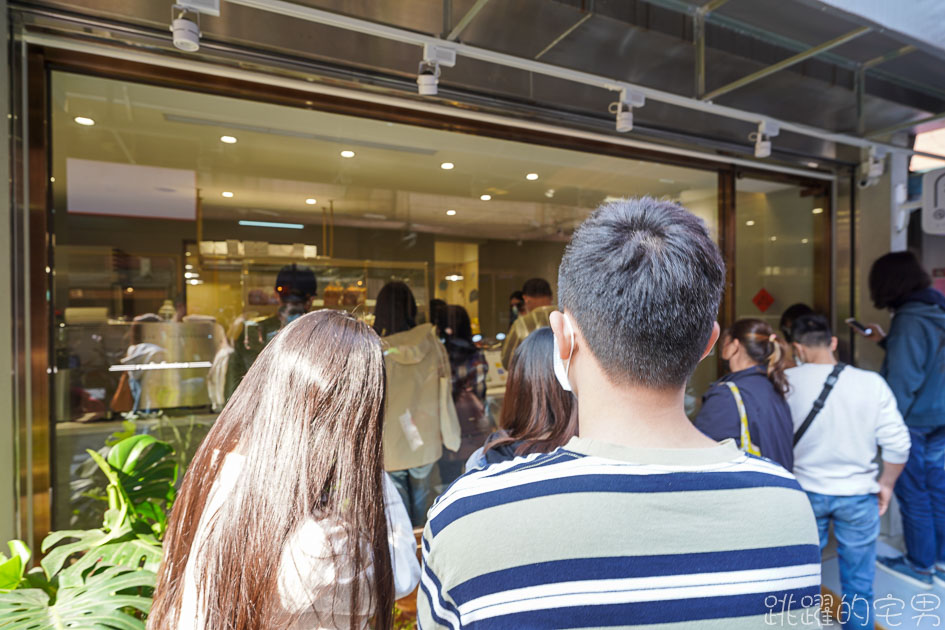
{"type": "Point", "coordinates": [186, 31]}
{"type": "Point", "coordinates": [447, 166]}
{"type": "Point", "coordinates": [762, 137]}
{"type": "Point", "coordinates": [428, 74]}
{"type": "Point", "coordinates": [485, 197]}
{"type": "Point", "coordinates": [774, 238]}
{"type": "Point", "coordinates": [450, 213]}
{"type": "Point", "coordinates": [227, 194]}
{"type": "Point", "coordinates": [804, 240]}
{"type": "Point", "coordinates": [347, 154]}
{"type": "Point", "coordinates": [531, 177]}
{"type": "Point", "coordinates": [550, 193]}
{"type": "Point", "coordinates": [311, 201]}
{"type": "Point", "coordinates": [228, 139]}
{"type": "Point", "coordinates": [749, 223]}
{"type": "Point", "coordinates": [817, 211]}
{"type": "Point", "coordinates": [623, 108]}
{"type": "Point", "coordinates": [85, 122]}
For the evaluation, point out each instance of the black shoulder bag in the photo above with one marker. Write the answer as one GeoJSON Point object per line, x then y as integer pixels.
{"type": "Point", "coordinates": [819, 403]}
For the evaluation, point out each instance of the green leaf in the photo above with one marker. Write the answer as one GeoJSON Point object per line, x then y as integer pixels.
{"type": "Point", "coordinates": [105, 600]}
{"type": "Point", "coordinates": [12, 569]}
{"type": "Point", "coordinates": [120, 547]}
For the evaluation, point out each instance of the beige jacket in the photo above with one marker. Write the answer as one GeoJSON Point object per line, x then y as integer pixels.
{"type": "Point", "coordinates": [523, 327]}
{"type": "Point", "coordinates": [420, 417]}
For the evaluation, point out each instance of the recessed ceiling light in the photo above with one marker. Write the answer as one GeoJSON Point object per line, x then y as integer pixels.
{"type": "Point", "coordinates": [347, 154]}
{"type": "Point", "coordinates": [667, 181]}
{"type": "Point", "coordinates": [774, 238]}
{"type": "Point", "coordinates": [227, 194]}
{"type": "Point", "coordinates": [450, 213]}
{"type": "Point", "coordinates": [812, 164]}
{"type": "Point", "coordinates": [804, 240]}
{"type": "Point", "coordinates": [550, 193]}
{"type": "Point", "coordinates": [749, 223]}
{"type": "Point", "coordinates": [531, 177]}
{"type": "Point", "coordinates": [228, 139]}
{"type": "Point", "coordinates": [485, 197]}
{"type": "Point", "coordinates": [311, 201]}
{"type": "Point", "coordinates": [447, 166]}
{"type": "Point", "coordinates": [82, 120]}
{"type": "Point", "coordinates": [817, 211]}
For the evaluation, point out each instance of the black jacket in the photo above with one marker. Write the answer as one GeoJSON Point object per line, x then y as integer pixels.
{"type": "Point", "coordinates": [769, 417]}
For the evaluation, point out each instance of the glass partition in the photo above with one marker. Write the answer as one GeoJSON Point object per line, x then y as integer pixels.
{"type": "Point", "coordinates": [174, 213]}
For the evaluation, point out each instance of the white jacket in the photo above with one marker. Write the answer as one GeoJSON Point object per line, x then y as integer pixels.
{"type": "Point", "coordinates": [420, 417]}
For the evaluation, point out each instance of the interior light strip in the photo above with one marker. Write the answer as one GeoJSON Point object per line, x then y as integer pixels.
{"type": "Point", "coordinates": [271, 224]}
{"type": "Point", "coordinates": [159, 366]}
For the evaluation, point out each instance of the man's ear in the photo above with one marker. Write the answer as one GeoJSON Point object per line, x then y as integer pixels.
{"type": "Point", "coordinates": [833, 344]}
{"type": "Point", "coordinates": [559, 329]}
{"type": "Point", "coordinates": [714, 337]}
{"type": "Point", "coordinates": [798, 350]}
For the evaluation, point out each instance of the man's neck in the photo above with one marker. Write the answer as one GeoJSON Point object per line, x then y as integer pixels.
{"type": "Point", "coordinates": [637, 416]}
{"type": "Point", "coordinates": [819, 356]}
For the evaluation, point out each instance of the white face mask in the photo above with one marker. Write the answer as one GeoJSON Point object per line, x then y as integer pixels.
{"type": "Point", "coordinates": [561, 366]}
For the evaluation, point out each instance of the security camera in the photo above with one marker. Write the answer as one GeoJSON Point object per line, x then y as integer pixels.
{"type": "Point", "coordinates": [185, 30]}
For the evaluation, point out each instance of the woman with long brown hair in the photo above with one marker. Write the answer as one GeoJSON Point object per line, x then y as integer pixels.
{"type": "Point", "coordinates": [281, 520]}
{"type": "Point", "coordinates": [748, 405]}
{"type": "Point", "coordinates": [537, 415]}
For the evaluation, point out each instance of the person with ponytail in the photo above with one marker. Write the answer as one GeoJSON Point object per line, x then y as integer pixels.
{"type": "Point", "coordinates": [285, 518]}
{"type": "Point", "coordinates": [748, 404]}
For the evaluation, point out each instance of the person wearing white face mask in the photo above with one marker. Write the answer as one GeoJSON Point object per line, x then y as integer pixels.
{"type": "Point", "coordinates": [642, 520]}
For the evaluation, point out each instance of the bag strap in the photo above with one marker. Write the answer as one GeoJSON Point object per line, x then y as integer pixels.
{"type": "Point", "coordinates": [819, 403]}
{"type": "Point", "coordinates": [746, 444]}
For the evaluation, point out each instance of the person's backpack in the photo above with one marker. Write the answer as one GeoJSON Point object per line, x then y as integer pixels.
{"type": "Point", "coordinates": [819, 403]}
{"type": "Point", "coordinates": [745, 443]}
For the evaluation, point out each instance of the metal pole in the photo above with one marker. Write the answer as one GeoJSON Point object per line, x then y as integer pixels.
{"type": "Point", "coordinates": [859, 90]}
{"type": "Point", "coordinates": [905, 125]}
{"type": "Point", "coordinates": [787, 63]}
{"type": "Point", "coordinates": [466, 19]}
{"type": "Point", "coordinates": [698, 33]}
{"type": "Point", "coordinates": [567, 32]}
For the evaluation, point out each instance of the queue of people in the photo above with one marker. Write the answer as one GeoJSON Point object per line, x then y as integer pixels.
{"type": "Point", "coordinates": [596, 501]}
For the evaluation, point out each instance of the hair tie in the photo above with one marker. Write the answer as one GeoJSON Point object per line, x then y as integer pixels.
{"type": "Point", "coordinates": [773, 338]}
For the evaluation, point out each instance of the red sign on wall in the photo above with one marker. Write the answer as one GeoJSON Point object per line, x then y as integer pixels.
{"type": "Point", "coordinates": [763, 300]}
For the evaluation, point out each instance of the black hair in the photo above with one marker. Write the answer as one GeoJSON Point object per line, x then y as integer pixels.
{"type": "Point", "coordinates": [789, 316]}
{"type": "Point", "coordinates": [296, 284]}
{"type": "Point", "coordinates": [896, 276]}
{"type": "Point", "coordinates": [761, 345]}
{"type": "Point", "coordinates": [517, 295]}
{"type": "Point", "coordinates": [536, 287]}
{"type": "Point", "coordinates": [643, 280]}
{"type": "Point", "coordinates": [812, 330]}
{"type": "Point", "coordinates": [438, 314]}
{"type": "Point", "coordinates": [395, 310]}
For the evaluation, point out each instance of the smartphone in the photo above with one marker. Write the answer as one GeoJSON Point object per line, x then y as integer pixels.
{"type": "Point", "coordinates": [865, 330]}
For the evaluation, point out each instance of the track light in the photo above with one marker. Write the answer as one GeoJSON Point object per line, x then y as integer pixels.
{"type": "Point", "coordinates": [762, 137]}
{"type": "Point", "coordinates": [185, 25]}
{"type": "Point", "coordinates": [623, 109]}
{"type": "Point", "coordinates": [428, 74]}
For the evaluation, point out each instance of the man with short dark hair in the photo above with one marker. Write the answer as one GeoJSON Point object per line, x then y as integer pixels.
{"type": "Point", "coordinates": [842, 415]}
{"type": "Point", "coordinates": [641, 521]}
{"type": "Point", "coordinates": [536, 294]}
{"type": "Point", "coordinates": [296, 287]}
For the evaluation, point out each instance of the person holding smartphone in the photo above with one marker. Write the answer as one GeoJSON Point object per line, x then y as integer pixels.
{"type": "Point", "coordinates": [914, 368]}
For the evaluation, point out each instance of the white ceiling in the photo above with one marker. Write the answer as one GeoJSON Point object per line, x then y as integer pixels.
{"type": "Point", "coordinates": [285, 155]}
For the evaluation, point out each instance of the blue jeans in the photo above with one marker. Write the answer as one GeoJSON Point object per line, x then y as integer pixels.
{"type": "Point", "coordinates": [921, 494]}
{"type": "Point", "coordinates": [856, 527]}
{"type": "Point", "coordinates": [415, 486]}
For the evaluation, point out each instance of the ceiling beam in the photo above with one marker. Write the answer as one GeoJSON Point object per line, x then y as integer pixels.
{"type": "Point", "coordinates": [905, 125]}
{"type": "Point", "coordinates": [698, 36]}
{"type": "Point", "coordinates": [892, 54]}
{"type": "Point", "coordinates": [584, 18]}
{"type": "Point", "coordinates": [787, 63]}
{"type": "Point", "coordinates": [466, 19]}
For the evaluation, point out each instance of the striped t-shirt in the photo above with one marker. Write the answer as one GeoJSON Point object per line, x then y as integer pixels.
{"type": "Point", "coordinates": [599, 535]}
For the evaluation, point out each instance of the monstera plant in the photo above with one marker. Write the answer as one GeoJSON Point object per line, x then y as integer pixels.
{"type": "Point", "coordinates": [99, 578]}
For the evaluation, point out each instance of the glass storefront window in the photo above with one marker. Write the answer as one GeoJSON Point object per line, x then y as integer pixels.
{"type": "Point", "coordinates": [174, 212]}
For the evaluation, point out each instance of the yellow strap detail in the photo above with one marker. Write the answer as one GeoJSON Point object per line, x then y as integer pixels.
{"type": "Point", "coordinates": [746, 444]}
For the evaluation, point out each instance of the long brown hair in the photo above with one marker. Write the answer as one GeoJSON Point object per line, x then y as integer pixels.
{"type": "Point", "coordinates": [308, 419]}
{"type": "Point", "coordinates": [761, 345]}
{"type": "Point", "coordinates": [536, 411]}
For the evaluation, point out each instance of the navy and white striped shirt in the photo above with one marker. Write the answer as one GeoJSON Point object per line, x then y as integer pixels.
{"type": "Point", "coordinates": [600, 535]}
